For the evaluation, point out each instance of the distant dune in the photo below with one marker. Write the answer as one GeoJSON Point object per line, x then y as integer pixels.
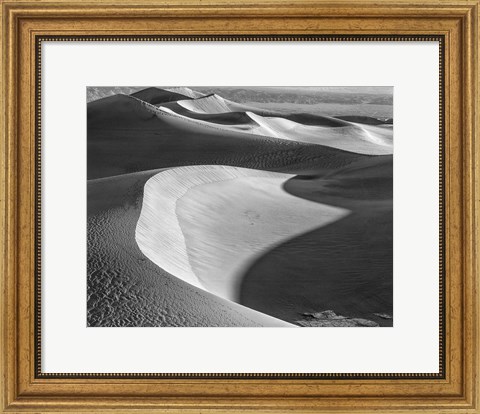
{"type": "Point", "coordinates": [157, 96]}
{"type": "Point", "coordinates": [99, 92]}
{"type": "Point", "coordinates": [336, 133]}
{"type": "Point", "coordinates": [239, 116]}
{"type": "Point", "coordinates": [357, 138]}
{"type": "Point", "coordinates": [215, 104]}
{"type": "Point", "coordinates": [127, 136]}
{"type": "Point", "coordinates": [185, 91]}
{"type": "Point", "coordinates": [351, 137]}
{"type": "Point", "coordinates": [207, 224]}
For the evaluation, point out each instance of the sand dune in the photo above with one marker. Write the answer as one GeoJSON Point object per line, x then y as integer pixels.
{"type": "Point", "coordinates": [207, 224]}
{"type": "Point", "coordinates": [352, 137]}
{"type": "Point", "coordinates": [241, 111]}
{"type": "Point", "coordinates": [222, 118]}
{"type": "Point", "coordinates": [341, 134]}
{"type": "Point", "coordinates": [242, 117]}
{"type": "Point", "coordinates": [157, 96]}
{"type": "Point", "coordinates": [127, 289]}
{"type": "Point", "coordinates": [345, 266]}
{"type": "Point", "coordinates": [211, 104]}
{"type": "Point", "coordinates": [126, 135]}
{"type": "Point", "coordinates": [182, 90]}
{"type": "Point", "coordinates": [214, 104]}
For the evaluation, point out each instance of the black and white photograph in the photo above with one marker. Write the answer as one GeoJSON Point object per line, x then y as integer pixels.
{"type": "Point", "coordinates": [234, 206]}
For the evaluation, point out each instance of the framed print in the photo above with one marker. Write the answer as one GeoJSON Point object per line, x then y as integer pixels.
{"type": "Point", "coordinates": [230, 206]}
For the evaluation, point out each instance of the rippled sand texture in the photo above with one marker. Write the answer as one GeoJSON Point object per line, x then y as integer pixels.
{"type": "Point", "coordinates": [127, 289]}
{"type": "Point", "coordinates": [207, 212]}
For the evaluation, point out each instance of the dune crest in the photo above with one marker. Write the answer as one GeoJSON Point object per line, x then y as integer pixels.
{"type": "Point", "coordinates": [341, 134]}
{"type": "Point", "coordinates": [210, 104]}
{"type": "Point", "coordinates": [215, 104]}
{"type": "Point", "coordinates": [358, 138]}
{"type": "Point", "coordinates": [207, 224]}
{"type": "Point", "coordinates": [183, 90]}
{"type": "Point", "coordinates": [361, 139]}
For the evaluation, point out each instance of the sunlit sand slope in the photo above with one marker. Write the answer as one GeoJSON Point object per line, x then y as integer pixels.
{"type": "Point", "coordinates": [125, 288]}
{"type": "Point", "coordinates": [363, 139]}
{"type": "Point", "coordinates": [207, 224]}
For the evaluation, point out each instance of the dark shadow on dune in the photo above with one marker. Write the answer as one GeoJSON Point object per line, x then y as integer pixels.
{"type": "Point", "coordinates": [346, 266]}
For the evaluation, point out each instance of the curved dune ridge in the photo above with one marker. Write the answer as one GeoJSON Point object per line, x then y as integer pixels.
{"type": "Point", "coordinates": [362, 139]}
{"type": "Point", "coordinates": [182, 90]}
{"type": "Point", "coordinates": [348, 136]}
{"type": "Point", "coordinates": [207, 224]}
{"type": "Point", "coordinates": [209, 104]}
{"type": "Point", "coordinates": [126, 289]}
{"type": "Point", "coordinates": [156, 96]}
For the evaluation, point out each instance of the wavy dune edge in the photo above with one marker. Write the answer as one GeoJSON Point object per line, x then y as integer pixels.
{"type": "Point", "coordinates": [207, 224]}
{"type": "Point", "coordinates": [347, 136]}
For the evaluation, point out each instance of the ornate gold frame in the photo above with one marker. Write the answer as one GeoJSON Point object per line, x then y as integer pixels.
{"type": "Point", "coordinates": [25, 23]}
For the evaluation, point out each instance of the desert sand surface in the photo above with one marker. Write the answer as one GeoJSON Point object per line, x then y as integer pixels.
{"type": "Point", "coordinates": [127, 289]}
{"type": "Point", "coordinates": [352, 256]}
{"type": "Point", "coordinates": [127, 136]}
{"type": "Point", "coordinates": [207, 224]}
{"type": "Point", "coordinates": [349, 137]}
{"type": "Point", "coordinates": [207, 212]}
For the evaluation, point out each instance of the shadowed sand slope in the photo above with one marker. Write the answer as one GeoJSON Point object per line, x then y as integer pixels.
{"type": "Point", "coordinates": [345, 266]}
{"type": "Point", "coordinates": [206, 224]}
{"type": "Point", "coordinates": [127, 289]}
{"type": "Point", "coordinates": [126, 136]}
